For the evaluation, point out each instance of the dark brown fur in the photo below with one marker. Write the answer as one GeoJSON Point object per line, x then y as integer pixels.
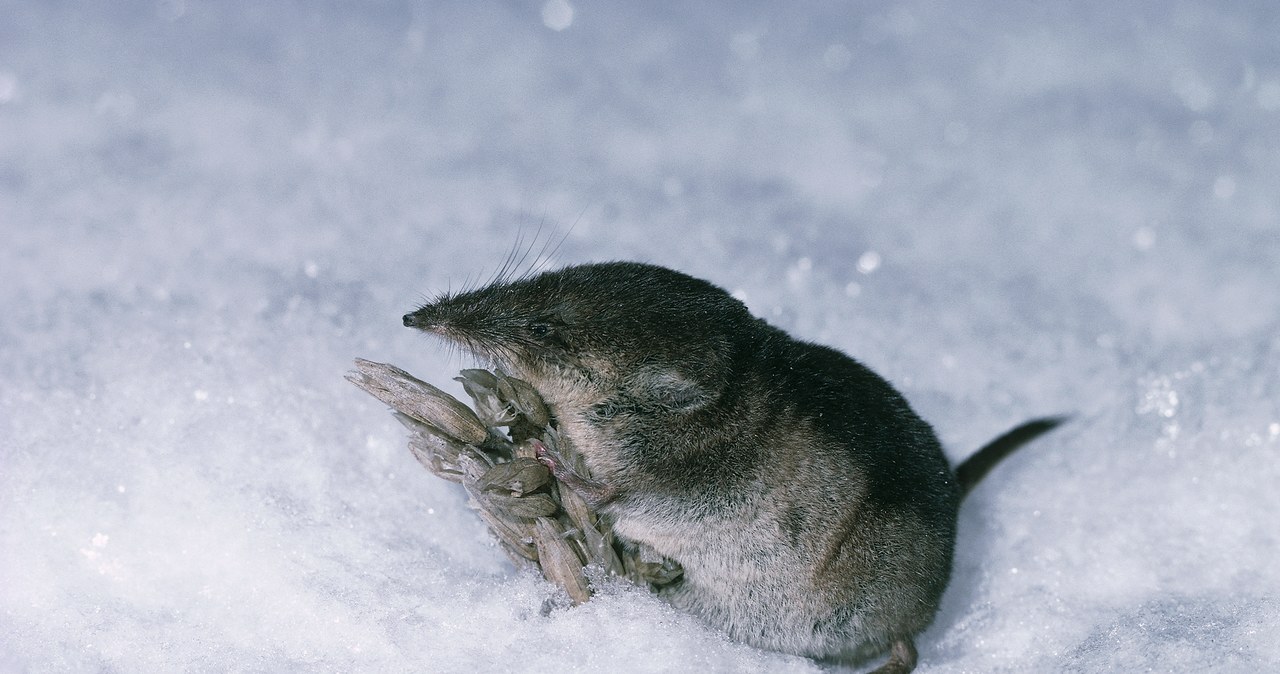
{"type": "Point", "coordinates": [812, 510]}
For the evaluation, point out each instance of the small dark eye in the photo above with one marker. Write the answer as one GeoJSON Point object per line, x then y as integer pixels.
{"type": "Point", "coordinates": [547, 330]}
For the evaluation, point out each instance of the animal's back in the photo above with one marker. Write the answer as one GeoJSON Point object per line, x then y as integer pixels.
{"type": "Point", "coordinates": [839, 539]}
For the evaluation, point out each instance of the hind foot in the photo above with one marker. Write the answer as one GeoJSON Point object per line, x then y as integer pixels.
{"type": "Point", "coordinates": [902, 658]}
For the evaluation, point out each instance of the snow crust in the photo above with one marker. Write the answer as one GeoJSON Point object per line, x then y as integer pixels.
{"type": "Point", "coordinates": [207, 210]}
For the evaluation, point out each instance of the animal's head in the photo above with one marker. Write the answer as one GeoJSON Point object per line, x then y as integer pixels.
{"type": "Point", "coordinates": [618, 330]}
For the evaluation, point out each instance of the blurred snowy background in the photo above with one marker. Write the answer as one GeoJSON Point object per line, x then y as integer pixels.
{"type": "Point", "coordinates": [207, 210]}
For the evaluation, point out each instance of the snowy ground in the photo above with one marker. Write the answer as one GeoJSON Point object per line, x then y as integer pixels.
{"type": "Point", "coordinates": [208, 209]}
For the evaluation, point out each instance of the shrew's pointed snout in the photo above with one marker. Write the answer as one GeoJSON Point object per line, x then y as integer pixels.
{"type": "Point", "coordinates": [417, 319]}
{"type": "Point", "coordinates": [431, 316]}
{"type": "Point", "coordinates": [425, 318]}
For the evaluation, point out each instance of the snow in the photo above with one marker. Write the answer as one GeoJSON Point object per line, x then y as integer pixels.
{"type": "Point", "coordinates": [207, 210]}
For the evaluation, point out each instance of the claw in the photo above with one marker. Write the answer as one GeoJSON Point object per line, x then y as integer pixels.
{"type": "Point", "coordinates": [548, 458]}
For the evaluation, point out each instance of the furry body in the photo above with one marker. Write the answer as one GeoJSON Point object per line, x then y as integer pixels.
{"type": "Point", "coordinates": [812, 510]}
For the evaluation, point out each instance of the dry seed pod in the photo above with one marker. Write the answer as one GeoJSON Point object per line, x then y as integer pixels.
{"type": "Point", "coordinates": [517, 535]}
{"type": "Point", "coordinates": [491, 409]}
{"type": "Point", "coordinates": [416, 427]}
{"type": "Point", "coordinates": [559, 563]}
{"type": "Point", "coordinates": [447, 446]}
{"type": "Point", "coordinates": [499, 473]}
{"type": "Point", "coordinates": [446, 413]}
{"type": "Point", "coordinates": [519, 477]}
{"type": "Point", "coordinates": [524, 398]}
{"type": "Point", "coordinates": [600, 551]}
{"type": "Point", "coordinates": [482, 378]}
{"type": "Point", "coordinates": [517, 558]}
{"type": "Point", "coordinates": [420, 400]}
{"type": "Point", "coordinates": [426, 449]}
{"type": "Point", "coordinates": [525, 507]}
{"type": "Point", "coordinates": [435, 445]}
{"type": "Point", "coordinates": [473, 464]}
{"type": "Point", "coordinates": [598, 545]}
{"type": "Point", "coordinates": [576, 509]}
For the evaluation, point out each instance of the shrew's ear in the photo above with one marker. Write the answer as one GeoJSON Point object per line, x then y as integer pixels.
{"type": "Point", "coordinates": [670, 389]}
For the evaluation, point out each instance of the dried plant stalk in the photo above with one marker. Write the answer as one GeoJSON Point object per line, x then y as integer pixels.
{"type": "Point", "coordinates": [536, 520]}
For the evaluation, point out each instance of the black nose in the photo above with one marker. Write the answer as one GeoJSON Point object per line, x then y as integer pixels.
{"type": "Point", "coordinates": [409, 322]}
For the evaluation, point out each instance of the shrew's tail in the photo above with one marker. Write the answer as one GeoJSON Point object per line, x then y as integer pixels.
{"type": "Point", "coordinates": [972, 469]}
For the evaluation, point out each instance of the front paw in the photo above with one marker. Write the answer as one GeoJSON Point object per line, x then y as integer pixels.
{"type": "Point", "coordinates": [594, 492]}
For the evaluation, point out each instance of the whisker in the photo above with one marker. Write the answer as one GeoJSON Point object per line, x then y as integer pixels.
{"type": "Point", "coordinates": [515, 270]}
{"type": "Point", "coordinates": [545, 257]}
